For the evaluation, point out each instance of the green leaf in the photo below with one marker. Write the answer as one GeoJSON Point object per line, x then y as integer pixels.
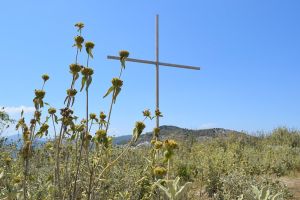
{"type": "Point", "coordinates": [276, 196]}
{"type": "Point", "coordinates": [73, 137]}
{"type": "Point", "coordinates": [90, 53]}
{"type": "Point", "coordinates": [89, 81]}
{"type": "Point", "coordinates": [73, 100]}
{"type": "Point", "coordinates": [76, 76]}
{"type": "Point", "coordinates": [41, 104]}
{"type": "Point", "coordinates": [56, 119]}
{"type": "Point", "coordinates": [83, 80]}
{"type": "Point", "coordinates": [109, 91]}
{"type": "Point", "coordinates": [118, 90]}
{"type": "Point", "coordinates": [1, 174]}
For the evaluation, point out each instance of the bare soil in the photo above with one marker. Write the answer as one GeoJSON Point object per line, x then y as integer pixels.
{"type": "Point", "coordinates": [293, 183]}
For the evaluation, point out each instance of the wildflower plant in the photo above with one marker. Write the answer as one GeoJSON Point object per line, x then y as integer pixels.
{"type": "Point", "coordinates": [81, 156]}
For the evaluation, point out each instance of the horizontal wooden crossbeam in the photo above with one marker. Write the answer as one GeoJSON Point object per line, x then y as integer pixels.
{"type": "Point", "coordinates": [154, 63]}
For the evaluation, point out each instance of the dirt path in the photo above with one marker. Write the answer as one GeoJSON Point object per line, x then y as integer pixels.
{"type": "Point", "coordinates": [294, 185]}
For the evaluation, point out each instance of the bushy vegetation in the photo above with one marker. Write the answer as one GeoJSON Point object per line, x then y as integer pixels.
{"type": "Point", "coordinates": [80, 162]}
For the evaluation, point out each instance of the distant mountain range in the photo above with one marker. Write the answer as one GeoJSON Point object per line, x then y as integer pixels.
{"type": "Point", "coordinates": [177, 133]}
{"type": "Point", "coordinates": [166, 132]}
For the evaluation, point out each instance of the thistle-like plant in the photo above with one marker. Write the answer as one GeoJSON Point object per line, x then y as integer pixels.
{"type": "Point", "coordinates": [172, 189]}
{"type": "Point", "coordinates": [263, 194]}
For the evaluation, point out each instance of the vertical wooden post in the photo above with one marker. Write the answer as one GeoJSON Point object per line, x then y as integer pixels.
{"type": "Point", "coordinates": [157, 69]}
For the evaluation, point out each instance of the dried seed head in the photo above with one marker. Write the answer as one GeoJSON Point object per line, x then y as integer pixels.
{"type": "Point", "coordinates": [40, 94]}
{"type": "Point", "coordinates": [116, 82]}
{"type": "Point", "coordinates": [71, 92]}
{"type": "Point", "coordinates": [158, 113]}
{"type": "Point", "coordinates": [93, 116]}
{"type": "Point", "coordinates": [158, 145]}
{"type": "Point", "coordinates": [79, 40]}
{"type": "Point", "coordinates": [147, 113]}
{"type": "Point", "coordinates": [37, 114]}
{"type": "Point", "coordinates": [139, 126]}
{"type": "Point", "coordinates": [159, 171]}
{"type": "Point", "coordinates": [102, 116]}
{"type": "Point", "coordinates": [44, 127]}
{"type": "Point", "coordinates": [75, 68]}
{"type": "Point", "coordinates": [51, 111]}
{"type": "Point", "coordinates": [66, 112]}
{"type": "Point", "coordinates": [88, 137]}
{"type": "Point", "coordinates": [7, 160]}
{"type": "Point", "coordinates": [80, 127]}
{"type": "Point", "coordinates": [86, 71]}
{"type": "Point", "coordinates": [123, 54]}
{"type": "Point", "coordinates": [17, 179]}
{"type": "Point", "coordinates": [89, 45]}
{"type": "Point", "coordinates": [79, 25]}
{"type": "Point", "coordinates": [32, 121]}
{"type": "Point", "coordinates": [101, 134]}
{"type": "Point", "coordinates": [45, 77]}
{"type": "Point", "coordinates": [170, 145]}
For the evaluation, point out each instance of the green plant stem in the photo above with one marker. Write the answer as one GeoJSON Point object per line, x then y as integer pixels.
{"type": "Point", "coordinates": [53, 127]}
{"type": "Point", "coordinates": [61, 134]}
{"type": "Point", "coordinates": [26, 164]}
{"type": "Point", "coordinates": [168, 169]}
{"type": "Point", "coordinates": [83, 137]}
{"type": "Point", "coordinates": [91, 183]}
{"type": "Point", "coordinates": [110, 110]}
{"type": "Point", "coordinates": [114, 161]}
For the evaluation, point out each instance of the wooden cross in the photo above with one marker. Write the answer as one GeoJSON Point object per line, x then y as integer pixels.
{"type": "Point", "coordinates": [157, 64]}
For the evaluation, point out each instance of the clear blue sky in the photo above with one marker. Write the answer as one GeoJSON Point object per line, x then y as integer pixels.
{"type": "Point", "coordinates": [248, 51]}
